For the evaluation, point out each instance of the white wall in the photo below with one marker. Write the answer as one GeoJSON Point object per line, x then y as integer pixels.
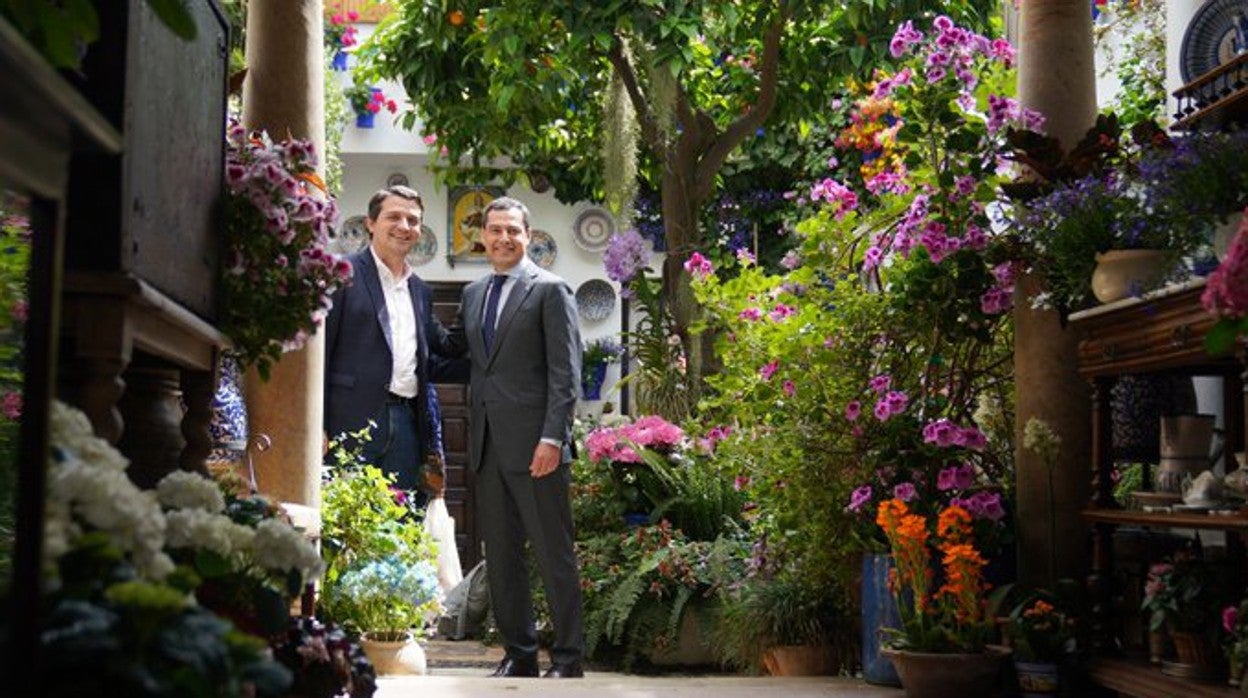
{"type": "Point", "coordinates": [369, 156]}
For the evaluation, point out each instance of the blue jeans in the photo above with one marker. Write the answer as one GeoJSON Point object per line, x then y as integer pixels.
{"type": "Point", "coordinates": [395, 448]}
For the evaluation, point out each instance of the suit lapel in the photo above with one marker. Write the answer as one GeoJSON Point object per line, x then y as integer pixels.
{"type": "Point", "coordinates": [474, 309]}
{"type": "Point", "coordinates": [372, 283]}
{"type": "Point", "coordinates": [524, 285]}
{"type": "Point", "coordinates": [418, 302]}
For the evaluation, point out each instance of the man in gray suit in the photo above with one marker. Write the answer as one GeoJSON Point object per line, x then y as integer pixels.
{"type": "Point", "coordinates": [524, 343]}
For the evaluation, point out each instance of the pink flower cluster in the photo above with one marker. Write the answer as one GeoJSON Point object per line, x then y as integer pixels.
{"type": "Point", "coordinates": [607, 444]}
{"type": "Point", "coordinates": [340, 31]}
{"type": "Point", "coordinates": [699, 267]}
{"type": "Point", "coordinates": [278, 274]}
{"type": "Point", "coordinates": [943, 432]}
{"type": "Point", "coordinates": [1226, 288]}
{"type": "Point", "coordinates": [841, 197]}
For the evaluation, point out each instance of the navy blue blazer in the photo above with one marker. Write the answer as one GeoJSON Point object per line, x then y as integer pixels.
{"type": "Point", "coordinates": [358, 356]}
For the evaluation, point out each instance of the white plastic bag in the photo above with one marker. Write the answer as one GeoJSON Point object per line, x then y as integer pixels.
{"type": "Point", "coordinates": [441, 528]}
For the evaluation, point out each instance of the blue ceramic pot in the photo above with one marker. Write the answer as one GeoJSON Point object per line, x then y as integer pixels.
{"type": "Point", "coordinates": [879, 610]}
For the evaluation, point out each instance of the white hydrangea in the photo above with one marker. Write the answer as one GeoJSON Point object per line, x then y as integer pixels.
{"type": "Point", "coordinates": [279, 547]}
{"type": "Point", "coordinates": [196, 528]}
{"type": "Point", "coordinates": [87, 479]}
{"type": "Point", "coordinates": [182, 489]}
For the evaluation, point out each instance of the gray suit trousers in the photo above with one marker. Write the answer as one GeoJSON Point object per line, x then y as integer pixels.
{"type": "Point", "coordinates": [514, 506]}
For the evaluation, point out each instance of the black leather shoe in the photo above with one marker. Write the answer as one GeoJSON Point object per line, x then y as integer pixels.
{"type": "Point", "coordinates": [515, 667]}
{"type": "Point", "coordinates": [570, 670]}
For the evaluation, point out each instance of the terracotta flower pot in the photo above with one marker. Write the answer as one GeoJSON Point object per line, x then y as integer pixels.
{"type": "Point", "coordinates": [1123, 273]}
{"type": "Point", "coordinates": [391, 655]}
{"type": "Point", "coordinates": [798, 660]}
{"type": "Point", "coordinates": [939, 675]}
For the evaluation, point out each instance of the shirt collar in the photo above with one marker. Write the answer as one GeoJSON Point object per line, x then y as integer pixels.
{"type": "Point", "coordinates": [384, 272]}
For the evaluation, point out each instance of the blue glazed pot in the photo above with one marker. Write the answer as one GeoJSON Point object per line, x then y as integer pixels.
{"type": "Point", "coordinates": [340, 61]}
{"type": "Point", "coordinates": [365, 120]}
{"type": "Point", "coordinates": [591, 389]}
{"type": "Point", "coordinates": [879, 610]}
{"type": "Point", "coordinates": [228, 427]}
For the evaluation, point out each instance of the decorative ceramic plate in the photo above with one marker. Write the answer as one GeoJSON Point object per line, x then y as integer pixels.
{"type": "Point", "coordinates": [426, 249]}
{"type": "Point", "coordinates": [1210, 39]}
{"type": "Point", "coordinates": [595, 299]}
{"type": "Point", "coordinates": [593, 229]}
{"type": "Point", "coordinates": [351, 238]}
{"type": "Point", "coordinates": [542, 248]}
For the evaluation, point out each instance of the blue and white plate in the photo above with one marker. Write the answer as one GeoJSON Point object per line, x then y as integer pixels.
{"type": "Point", "coordinates": [352, 236]}
{"type": "Point", "coordinates": [593, 229]}
{"type": "Point", "coordinates": [595, 299]}
{"type": "Point", "coordinates": [542, 248]}
{"type": "Point", "coordinates": [426, 248]}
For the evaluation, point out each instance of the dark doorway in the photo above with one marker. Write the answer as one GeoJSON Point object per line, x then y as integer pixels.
{"type": "Point", "coordinates": [460, 480]}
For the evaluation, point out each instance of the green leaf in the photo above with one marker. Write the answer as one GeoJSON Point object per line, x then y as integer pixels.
{"type": "Point", "coordinates": [1221, 337]}
{"type": "Point", "coordinates": [175, 15]}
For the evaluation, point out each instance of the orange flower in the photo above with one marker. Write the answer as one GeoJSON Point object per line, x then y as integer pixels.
{"type": "Point", "coordinates": [455, 17]}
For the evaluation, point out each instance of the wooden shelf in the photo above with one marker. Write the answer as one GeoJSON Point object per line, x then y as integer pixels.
{"type": "Point", "coordinates": [1143, 680]}
{"type": "Point", "coordinates": [1151, 519]}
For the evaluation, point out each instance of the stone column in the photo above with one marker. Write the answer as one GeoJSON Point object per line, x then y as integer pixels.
{"type": "Point", "coordinates": [1056, 77]}
{"type": "Point", "coordinates": [284, 94]}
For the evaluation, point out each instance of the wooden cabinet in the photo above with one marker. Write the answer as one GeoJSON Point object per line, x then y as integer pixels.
{"type": "Point", "coordinates": [1162, 332]}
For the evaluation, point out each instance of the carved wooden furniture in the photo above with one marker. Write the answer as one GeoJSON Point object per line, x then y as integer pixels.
{"type": "Point", "coordinates": [44, 121]}
{"type": "Point", "coordinates": [1160, 332]}
{"type": "Point", "coordinates": [144, 238]}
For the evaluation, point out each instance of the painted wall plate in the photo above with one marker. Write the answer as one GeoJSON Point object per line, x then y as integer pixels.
{"type": "Point", "coordinates": [593, 229]}
{"type": "Point", "coordinates": [352, 237]}
{"type": "Point", "coordinates": [595, 299]}
{"type": "Point", "coordinates": [1210, 39]}
{"type": "Point", "coordinates": [426, 249]}
{"type": "Point", "coordinates": [542, 248]}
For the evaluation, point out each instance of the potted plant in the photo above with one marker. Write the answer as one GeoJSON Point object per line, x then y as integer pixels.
{"type": "Point", "coordinates": [1235, 623]}
{"type": "Point", "coordinates": [381, 575]}
{"type": "Point", "coordinates": [784, 625]}
{"type": "Point", "coordinates": [277, 274]}
{"type": "Point", "coordinates": [1185, 596]}
{"type": "Point", "coordinates": [340, 35]}
{"type": "Point", "coordinates": [1114, 216]}
{"type": "Point", "coordinates": [595, 358]}
{"type": "Point", "coordinates": [366, 101]}
{"type": "Point", "coordinates": [942, 647]}
{"type": "Point", "coordinates": [1041, 633]}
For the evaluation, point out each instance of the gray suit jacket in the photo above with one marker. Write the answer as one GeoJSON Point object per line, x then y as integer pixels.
{"type": "Point", "coordinates": [526, 388]}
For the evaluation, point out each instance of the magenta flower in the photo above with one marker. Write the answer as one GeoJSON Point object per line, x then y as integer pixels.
{"type": "Point", "coordinates": [905, 492]}
{"type": "Point", "coordinates": [896, 401]}
{"type": "Point", "coordinates": [881, 382]}
{"type": "Point", "coordinates": [1230, 615]}
{"type": "Point", "coordinates": [789, 388]}
{"type": "Point", "coordinates": [860, 497]}
{"type": "Point", "coordinates": [941, 432]}
{"type": "Point", "coordinates": [766, 372]}
{"type": "Point", "coordinates": [751, 314]}
{"type": "Point", "coordinates": [741, 482]}
{"type": "Point", "coordinates": [853, 410]}
{"type": "Point", "coordinates": [11, 405]}
{"type": "Point", "coordinates": [781, 311]}
{"type": "Point", "coordinates": [698, 266]}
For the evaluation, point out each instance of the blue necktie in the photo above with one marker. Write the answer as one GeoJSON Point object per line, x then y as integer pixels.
{"type": "Point", "coordinates": [491, 310]}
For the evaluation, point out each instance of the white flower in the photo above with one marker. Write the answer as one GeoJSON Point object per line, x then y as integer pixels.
{"type": "Point", "coordinates": [279, 547]}
{"type": "Point", "coordinates": [196, 528]}
{"type": "Point", "coordinates": [181, 489]}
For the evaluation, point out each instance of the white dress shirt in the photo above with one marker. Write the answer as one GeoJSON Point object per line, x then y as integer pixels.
{"type": "Point", "coordinates": [402, 328]}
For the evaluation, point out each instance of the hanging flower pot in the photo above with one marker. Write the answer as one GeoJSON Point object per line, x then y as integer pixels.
{"type": "Point", "coordinates": [365, 119]}
{"type": "Point", "coordinates": [339, 62]}
{"type": "Point", "coordinates": [1123, 273]}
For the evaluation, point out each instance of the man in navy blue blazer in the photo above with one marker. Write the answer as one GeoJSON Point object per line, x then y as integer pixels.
{"type": "Point", "coordinates": [382, 341]}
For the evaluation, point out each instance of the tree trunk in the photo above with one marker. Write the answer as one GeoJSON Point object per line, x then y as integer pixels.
{"type": "Point", "coordinates": [680, 223]}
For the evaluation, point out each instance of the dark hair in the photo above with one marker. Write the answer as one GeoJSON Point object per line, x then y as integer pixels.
{"type": "Point", "coordinates": [374, 204]}
{"type": "Point", "coordinates": [506, 203]}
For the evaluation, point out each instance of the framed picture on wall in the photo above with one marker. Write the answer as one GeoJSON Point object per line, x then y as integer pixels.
{"type": "Point", "coordinates": [465, 221]}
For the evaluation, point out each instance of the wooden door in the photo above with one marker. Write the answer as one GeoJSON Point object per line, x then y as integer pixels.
{"type": "Point", "coordinates": [461, 492]}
